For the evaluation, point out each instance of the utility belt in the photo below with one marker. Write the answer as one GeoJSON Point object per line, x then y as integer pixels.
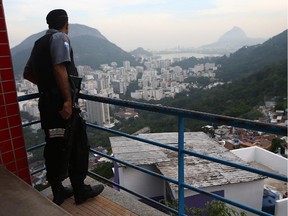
{"type": "Point", "coordinates": [56, 132]}
{"type": "Point", "coordinates": [54, 93]}
{"type": "Point", "coordinates": [70, 127]}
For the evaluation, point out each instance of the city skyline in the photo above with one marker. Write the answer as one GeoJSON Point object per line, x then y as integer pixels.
{"type": "Point", "coordinates": [153, 25]}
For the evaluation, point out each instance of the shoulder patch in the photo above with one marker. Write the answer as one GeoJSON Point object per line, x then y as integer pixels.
{"type": "Point", "coordinates": [66, 44]}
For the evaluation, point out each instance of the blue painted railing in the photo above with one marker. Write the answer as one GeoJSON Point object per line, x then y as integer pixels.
{"type": "Point", "coordinates": [181, 114]}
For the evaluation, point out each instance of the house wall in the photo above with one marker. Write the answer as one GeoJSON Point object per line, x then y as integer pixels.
{"type": "Point", "coordinates": [249, 193]}
{"type": "Point", "coordinates": [281, 207]}
{"type": "Point", "coordinates": [247, 154]}
{"type": "Point", "coordinates": [271, 160]}
{"type": "Point", "coordinates": [140, 182]}
{"type": "Point", "coordinates": [12, 147]}
{"type": "Point", "coordinates": [199, 200]}
{"type": "Point", "coordinates": [264, 157]}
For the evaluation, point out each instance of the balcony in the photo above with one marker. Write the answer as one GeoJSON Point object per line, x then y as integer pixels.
{"type": "Point", "coordinates": [177, 179]}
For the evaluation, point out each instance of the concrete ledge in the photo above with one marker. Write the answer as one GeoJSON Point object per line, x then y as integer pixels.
{"type": "Point", "coordinates": [119, 198]}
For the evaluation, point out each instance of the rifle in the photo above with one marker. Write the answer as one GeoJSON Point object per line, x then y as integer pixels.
{"type": "Point", "coordinates": [75, 83]}
{"type": "Point", "coordinates": [75, 131]}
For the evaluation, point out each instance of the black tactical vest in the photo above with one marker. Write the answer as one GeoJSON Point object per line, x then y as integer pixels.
{"type": "Point", "coordinates": [43, 67]}
{"type": "Point", "coordinates": [51, 101]}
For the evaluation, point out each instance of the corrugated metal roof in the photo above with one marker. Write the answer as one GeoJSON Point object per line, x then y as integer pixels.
{"type": "Point", "coordinates": [198, 172]}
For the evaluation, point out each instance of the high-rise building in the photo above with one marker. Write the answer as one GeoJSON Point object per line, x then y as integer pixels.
{"type": "Point", "coordinates": [98, 113]}
{"type": "Point", "coordinates": [126, 65]}
{"type": "Point", "coordinates": [119, 87]}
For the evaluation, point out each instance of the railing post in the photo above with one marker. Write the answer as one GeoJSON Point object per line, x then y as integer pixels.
{"type": "Point", "coordinates": [181, 204]}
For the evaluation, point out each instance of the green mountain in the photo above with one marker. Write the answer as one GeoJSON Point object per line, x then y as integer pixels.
{"type": "Point", "coordinates": [241, 98]}
{"type": "Point", "coordinates": [247, 60]}
{"type": "Point", "coordinates": [140, 52]}
{"type": "Point", "coordinates": [259, 73]}
{"type": "Point", "coordinates": [250, 59]}
{"type": "Point", "coordinates": [89, 45]}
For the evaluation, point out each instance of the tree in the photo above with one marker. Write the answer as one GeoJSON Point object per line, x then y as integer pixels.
{"type": "Point", "coordinates": [276, 144]}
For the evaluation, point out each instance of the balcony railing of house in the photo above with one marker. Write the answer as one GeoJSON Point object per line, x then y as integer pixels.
{"type": "Point", "coordinates": [181, 114]}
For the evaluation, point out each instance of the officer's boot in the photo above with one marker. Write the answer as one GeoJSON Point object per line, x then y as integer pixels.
{"type": "Point", "coordinates": [60, 193]}
{"type": "Point", "coordinates": [82, 192]}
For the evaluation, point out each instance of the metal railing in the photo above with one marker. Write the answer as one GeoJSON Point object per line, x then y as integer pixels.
{"type": "Point", "coordinates": [182, 114]}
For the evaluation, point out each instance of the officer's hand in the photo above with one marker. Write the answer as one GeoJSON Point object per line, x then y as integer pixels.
{"type": "Point", "coordinates": [66, 111]}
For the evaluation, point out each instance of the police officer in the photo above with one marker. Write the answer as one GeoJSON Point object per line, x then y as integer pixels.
{"type": "Point", "coordinates": [50, 66]}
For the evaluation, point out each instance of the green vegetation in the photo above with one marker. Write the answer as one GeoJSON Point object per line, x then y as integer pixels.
{"type": "Point", "coordinates": [213, 208]}
{"type": "Point", "coordinates": [104, 169]}
{"type": "Point", "coordinates": [277, 144]}
{"type": "Point", "coordinates": [249, 60]}
{"type": "Point", "coordinates": [202, 81]}
{"type": "Point", "coordinates": [192, 61]}
{"type": "Point", "coordinates": [241, 98]}
{"type": "Point", "coordinates": [93, 51]}
{"type": "Point", "coordinates": [216, 208]}
{"type": "Point", "coordinates": [99, 138]}
{"type": "Point", "coordinates": [257, 74]}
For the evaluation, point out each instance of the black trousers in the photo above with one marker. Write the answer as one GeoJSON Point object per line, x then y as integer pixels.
{"type": "Point", "coordinates": [64, 159]}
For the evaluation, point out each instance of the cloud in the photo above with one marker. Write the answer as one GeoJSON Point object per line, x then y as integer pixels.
{"type": "Point", "coordinates": [157, 23]}
{"type": "Point", "coordinates": [253, 7]}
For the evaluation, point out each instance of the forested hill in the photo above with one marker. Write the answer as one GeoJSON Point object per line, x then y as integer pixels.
{"type": "Point", "coordinates": [251, 59]}
{"type": "Point", "coordinates": [247, 60]}
{"type": "Point", "coordinates": [258, 74]}
{"type": "Point", "coordinates": [240, 98]}
{"type": "Point", "coordinates": [89, 45]}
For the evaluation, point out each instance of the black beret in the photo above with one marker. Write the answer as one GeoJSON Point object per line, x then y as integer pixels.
{"type": "Point", "coordinates": [56, 18]}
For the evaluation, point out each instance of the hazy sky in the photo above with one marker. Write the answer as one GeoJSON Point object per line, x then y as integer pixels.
{"type": "Point", "coordinates": [152, 24]}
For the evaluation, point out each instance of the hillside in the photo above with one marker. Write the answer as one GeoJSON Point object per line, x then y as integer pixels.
{"type": "Point", "coordinates": [140, 52]}
{"type": "Point", "coordinates": [239, 99]}
{"type": "Point", "coordinates": [89, 45]}
{"type": "Point", "coordinates": [192, 61]}
{"type": "Point", "coordinates": [247, 60]}
{"type": "Point", "coordinates": [242, 97]}
{"type": "Point", "coordinates": [259, 73]}
{"type": "Point", "coordinates": [250, 59]}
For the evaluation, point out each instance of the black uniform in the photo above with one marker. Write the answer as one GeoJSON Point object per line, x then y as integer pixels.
{"type": "Point", "coordinates": [61, 157]}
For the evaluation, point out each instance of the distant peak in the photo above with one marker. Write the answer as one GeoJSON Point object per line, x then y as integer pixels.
{"type": "Point", "coordinates": [234, 33]}
{"type": "Point", "coordinates": [236, 28]}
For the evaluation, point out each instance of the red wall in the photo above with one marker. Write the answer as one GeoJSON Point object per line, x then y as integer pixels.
{"type": "Point", "coordinates": [12, 146]}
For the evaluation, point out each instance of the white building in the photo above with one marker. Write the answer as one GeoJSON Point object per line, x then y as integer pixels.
{"type": "Point", "coordinates": [138, 94]}
{"type": "Point", "coordinates": [199, 67]}
{"type": "Point", "coordinates": [210, 66]}
{"type": "Point", "coordinates": [31, 107]}
{"type": "Point", "coordinates": [98, 113]}
{"type": "Point", "coordinates": [126, 65]}
{"type": "Point", "coordinates": [119, 87]}
{"type": "Point", "coordinates": [241, 186]}
{"type": "Point", "coordinates": [276, 164]}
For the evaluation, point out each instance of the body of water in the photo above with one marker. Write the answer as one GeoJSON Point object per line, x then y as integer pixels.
{"type": "Point", "coordinates": [187, 55]}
